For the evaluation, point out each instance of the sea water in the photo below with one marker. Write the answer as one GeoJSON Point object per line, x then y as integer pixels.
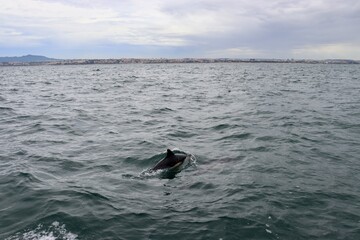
{"type": "Point", "coordinates": [276, 151]}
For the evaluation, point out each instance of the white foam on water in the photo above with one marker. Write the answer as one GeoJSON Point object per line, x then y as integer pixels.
{"type": "Point", "coordinates": [55, 231]}
{"type": "Point", "coordinates": [193, 160]}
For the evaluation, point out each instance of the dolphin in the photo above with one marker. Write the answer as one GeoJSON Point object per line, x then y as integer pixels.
{"type": "Point", "coordinates": [171, 161]}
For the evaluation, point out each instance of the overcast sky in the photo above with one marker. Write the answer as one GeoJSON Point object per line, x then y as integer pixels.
{"type": "Point", "coordinates": [316, 29]}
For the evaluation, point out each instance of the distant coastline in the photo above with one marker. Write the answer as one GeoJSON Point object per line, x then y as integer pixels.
{"type": "Point", "coordinates": [34, 60]}
{"type": "Point", "coordinates": [27, 58]}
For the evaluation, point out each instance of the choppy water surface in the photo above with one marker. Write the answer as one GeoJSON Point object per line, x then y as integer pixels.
{"type": "Point", "coordinates": [276, 151]}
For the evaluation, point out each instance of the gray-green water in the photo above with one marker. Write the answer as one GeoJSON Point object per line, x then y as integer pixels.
{"type": "Point", "coordinates": [277, 150]}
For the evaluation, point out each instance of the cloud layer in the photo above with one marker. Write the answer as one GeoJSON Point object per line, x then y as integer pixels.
{"type": "Point", "coordinates": [171, 28]}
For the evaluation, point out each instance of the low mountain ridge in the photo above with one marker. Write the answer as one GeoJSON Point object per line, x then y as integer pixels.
{"type": "Point", "coordinates": [27, 58]}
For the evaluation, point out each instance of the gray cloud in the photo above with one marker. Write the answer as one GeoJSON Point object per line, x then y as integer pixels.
{"type": "Point", "coordinates": [277, 28]}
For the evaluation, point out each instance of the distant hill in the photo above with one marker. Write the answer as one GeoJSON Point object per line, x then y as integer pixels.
{"type": "Point", "coordinates": [27, 58]}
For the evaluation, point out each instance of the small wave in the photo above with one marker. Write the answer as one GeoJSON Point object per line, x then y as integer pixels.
{"type": "Point", "coordinates": [221, 126]}
{"type": "Point", "coordinates": [266, 138]}
{"type": "Point", "coordinates": [182, 134]}
{"type": "Point", "coordinates": [6, 109]}
{"type": "Point", "coordinates": [55, 231]}
{"type": "Point", "coordinates": [237, 136]}
{"type": "Point", "coordinates": [33, 129]}
{"type": "Point", "coordinates": [93, 195]}
{"type": "Point", "coordinates": [65, 163]}
{"type": "Point", "coordinates": [22, 179]}
{"type": "Point", "coordinates": [203, 185]}
{"type": "Point", "coordinates": [162, 110]}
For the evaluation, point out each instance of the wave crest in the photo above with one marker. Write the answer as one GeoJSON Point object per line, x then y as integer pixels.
{"type": "Point", "coordinates": [55, 231]}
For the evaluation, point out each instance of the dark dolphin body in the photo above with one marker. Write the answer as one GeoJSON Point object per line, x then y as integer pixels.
{"type": "Point", "coordinates": [171, 160]}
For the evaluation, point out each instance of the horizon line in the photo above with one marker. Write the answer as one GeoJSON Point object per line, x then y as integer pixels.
{"type": "Point", "coordinates": [184, 58]}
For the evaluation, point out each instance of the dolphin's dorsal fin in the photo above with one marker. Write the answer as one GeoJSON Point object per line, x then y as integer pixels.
{"type": "Point", "coordinates": [169, 153]}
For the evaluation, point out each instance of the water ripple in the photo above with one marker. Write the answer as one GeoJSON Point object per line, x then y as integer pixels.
{"type": "Point", "coordinates": [276, 148]}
